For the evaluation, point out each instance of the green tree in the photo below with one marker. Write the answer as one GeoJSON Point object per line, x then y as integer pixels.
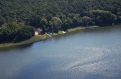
{"type": "Point", "coordinates": [101, 17]}
{"type": "Point", "coordinates": [119, 15]}
{"type": "Point", "coordinates": [44, 24]}
{"type": "Point", "coordinates": [2, 20]}
{"type": "Point", "coordinates": [86, 20]}
{"type": "Point", "coordinates": [55, 23]}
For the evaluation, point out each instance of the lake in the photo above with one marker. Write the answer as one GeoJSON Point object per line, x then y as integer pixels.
{"type": "Point", "coordinates": [85, 54]}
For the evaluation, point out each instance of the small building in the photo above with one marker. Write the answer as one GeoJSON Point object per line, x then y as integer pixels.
{"type": "Point", "coordinates": [38, 31]}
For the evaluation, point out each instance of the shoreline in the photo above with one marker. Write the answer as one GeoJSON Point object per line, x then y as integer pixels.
{"type": "Point", "coordinates": [37, 38]}
{"type": "Point", "coordinates": [73, 29]}
{"type": "Point", "coordinates": [29, 41]}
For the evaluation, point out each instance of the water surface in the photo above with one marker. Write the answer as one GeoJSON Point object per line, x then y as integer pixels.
{"type": "Point", "coordinates": [87, 54]}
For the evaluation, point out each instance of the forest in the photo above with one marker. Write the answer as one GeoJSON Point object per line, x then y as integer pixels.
{"type": "Point", "coordinates": [18, 18]}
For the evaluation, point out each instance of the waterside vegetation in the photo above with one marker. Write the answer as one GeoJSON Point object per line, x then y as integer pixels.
{"type": "Point", "coordinates": [42, 37]}
{"type": "Point", "coordinates": [31, 40]}
{"type": "Point", "coordinates": [18, 18]}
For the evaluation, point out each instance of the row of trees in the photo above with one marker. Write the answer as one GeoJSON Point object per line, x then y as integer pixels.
{"type": "Point", "coordinates": [15, 32]}
{"type": "Point", "coordinates": [33, 10]}
{"type": "Point", "coordinates": [64, 22]}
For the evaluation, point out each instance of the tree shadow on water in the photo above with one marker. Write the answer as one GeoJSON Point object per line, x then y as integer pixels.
{"type": "Point", "coordinates": [20, 47]}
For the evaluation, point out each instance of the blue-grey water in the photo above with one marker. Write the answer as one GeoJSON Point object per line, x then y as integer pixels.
{"type": "Point", "coordinates": [86, 54]}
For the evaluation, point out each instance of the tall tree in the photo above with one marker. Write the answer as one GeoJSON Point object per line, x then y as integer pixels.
{"type": "Point", "coordinates": [119, 15]}
{"type": "Point", "coordinates": [44, 24]}
{"type": "Point", "coordinates": [55, 23]}
{"type": "Point", "coordinates": [86, 20]}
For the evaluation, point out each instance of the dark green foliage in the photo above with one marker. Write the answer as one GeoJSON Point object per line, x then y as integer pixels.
{"type": "Point", "coordinates": [32, 11]}
{"type": "Point", "coordinates": [23, 33]}
{"type": "Point", "coordinates": [54, 15]}
{"type": "Point", "coordinates": [101, 17]}
{"type": "Point", "coordinates": [55, 23]}
{"type": "Point", "coordinates": [119, 15]}
{"type": "Point", "coordinates": [44, 24]}
{"type": "Point", "coordinates": [13, 32]}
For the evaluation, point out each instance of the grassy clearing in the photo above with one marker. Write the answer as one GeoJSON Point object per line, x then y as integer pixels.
{"type": "Point", "coordinates": [72, 30]}
{"type": "Point", "coordinates": [59, 33]}
{"type": "Point", "coordinates": [80, 28]}
{"type": "Point", "coordinates": [75, 29]}
{"type": "Point", "coordinates": [54, 34]}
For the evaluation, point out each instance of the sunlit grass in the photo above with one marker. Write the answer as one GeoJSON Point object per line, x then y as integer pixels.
{"type": "Point", "coordinates": [75, 29]}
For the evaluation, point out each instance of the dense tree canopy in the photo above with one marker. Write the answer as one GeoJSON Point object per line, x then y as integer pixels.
{"type": "Point", "coordinates": [13, 32]}
{"type": "Point", "coordinates": [103, 17]}
{"type": "Point", "coordinates": [33, 10]}
{"type": "Point", "coordinates": [59, 14]}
